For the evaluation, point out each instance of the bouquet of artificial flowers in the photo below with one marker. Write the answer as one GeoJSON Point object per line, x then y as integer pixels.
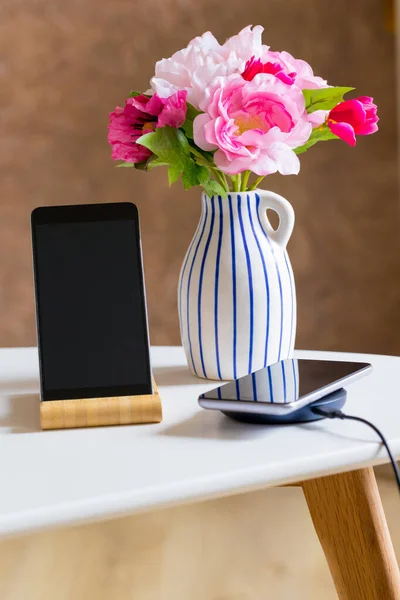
{"type": "Point", "coordinates": [217, 114]}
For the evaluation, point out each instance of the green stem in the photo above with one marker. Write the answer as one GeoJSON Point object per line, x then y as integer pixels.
{"type": "Point", "coordinates": [245, 180]}
{"type": "Point", "coordinates": [236, 182]}
{"type": "Point", "coordinates": [220, 177]}
{"type": "Point", "coordinates": [255, 185]}
{"type": "Point", "coordinates": [199, 154]}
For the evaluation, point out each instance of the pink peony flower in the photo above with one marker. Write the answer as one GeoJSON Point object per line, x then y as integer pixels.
{"type": "Point", "coordinates": [298, 70]}
{"type": "Point", "coordinates": [290, 71]}
{"type": "Point", "coordinates": [353, 117]}
{"type": "Point", "coordinates": [194, 68]}
{"type": "Point", "coordinates": [254, 125]}
{"type": "Point", "coordinates": [143, 115]}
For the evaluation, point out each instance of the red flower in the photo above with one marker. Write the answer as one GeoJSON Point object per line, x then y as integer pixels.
{"type": "Point", "coordinates": [353, 117]}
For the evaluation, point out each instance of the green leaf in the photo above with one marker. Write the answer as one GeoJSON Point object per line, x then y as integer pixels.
{"type": "Point", "coordinates": [173, 174]}
{"type": "Point", "coordinates": [182, 140]}
{"type": "Point", "coordinates": [210, 186]}
{"type": "Point", "coordinates": [324, 98]}
{"type": "Point", "coordinates": [148, 140]}
{"type": "Point", "coordinates": [191, 111]}
{"type": "Point", "coordinates": [320, 134]}
{"type": "Point", "coordinates": [190, 175]}
{"type": "Point", "coordinates": [203, 175]}
{"type": "Point", "coordinates": [201, 157]}
{"type": "Point", "coordinates": [127, 165]}
{"type": "Point", "coordinates": [213, 188]}
{"type": "Point", "coordinates": [169, 145]}
{"type": "Point", "coordinates": [188, 129]}
{"type": "Point", "coordinates": [191, 114]}
{"type": "Point", "coordinates": [154, 162]}
{"type": "Point", "coordinates": [133, 94]}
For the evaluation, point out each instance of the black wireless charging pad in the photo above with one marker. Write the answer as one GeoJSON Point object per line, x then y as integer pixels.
{"type": "Point", "coordinates": [334, 401]}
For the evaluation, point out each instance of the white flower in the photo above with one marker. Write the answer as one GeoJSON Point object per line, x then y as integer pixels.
{"type": "Point", "coordinates": [195, 68]}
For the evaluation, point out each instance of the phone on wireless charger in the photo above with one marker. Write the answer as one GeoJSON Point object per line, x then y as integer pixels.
{"type": "Point", "coordinates": [90, 302]}
{"type": "Point", "coordinates": [285, 391]}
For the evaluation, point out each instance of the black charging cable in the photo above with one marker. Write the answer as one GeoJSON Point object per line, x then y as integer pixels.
{"type": "Point", "coordinates": [338, 414]}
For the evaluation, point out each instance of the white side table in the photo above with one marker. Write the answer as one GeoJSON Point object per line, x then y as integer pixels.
{"type": "Point", "coordinates": [64, 477]}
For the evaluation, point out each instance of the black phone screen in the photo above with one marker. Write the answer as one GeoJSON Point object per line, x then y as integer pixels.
{"type": "Point", "coordinates": [91, 310]}
{"type": "Point", "coordinates": [288, 381]}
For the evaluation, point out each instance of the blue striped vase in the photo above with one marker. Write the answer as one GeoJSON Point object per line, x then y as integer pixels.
{"type": "Point", "coordinates": [236, 292]}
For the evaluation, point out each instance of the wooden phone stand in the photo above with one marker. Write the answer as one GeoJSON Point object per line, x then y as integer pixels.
{"type": "Point", "coordinates": [95, 412]}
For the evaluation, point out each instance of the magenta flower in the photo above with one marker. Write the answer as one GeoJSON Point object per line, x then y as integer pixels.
{"type": "Point", "coordinates": [353, 117]}
{"type": "Point", "coordinates": [139, 116]}
{"type": "Point", "coordinates": [254, 66]}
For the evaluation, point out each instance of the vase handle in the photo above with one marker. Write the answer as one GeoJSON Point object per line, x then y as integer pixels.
{"type": "Point", "coordinates": [285, 212]}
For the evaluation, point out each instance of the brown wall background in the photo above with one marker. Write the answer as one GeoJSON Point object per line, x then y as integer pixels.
{"type": "Point", "coordinates": [65, 65]}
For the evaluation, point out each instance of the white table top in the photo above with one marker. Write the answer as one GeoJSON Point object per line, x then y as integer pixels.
{"type": "Point", "coordinates": [59, 477]}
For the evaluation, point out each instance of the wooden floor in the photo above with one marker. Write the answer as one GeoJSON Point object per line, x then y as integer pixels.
{"type": "Point", "coordinates": [260, 545]}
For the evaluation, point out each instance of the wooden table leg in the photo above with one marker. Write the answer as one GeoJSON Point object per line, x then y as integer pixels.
{"type": "Point", "coordinates": [348, 517]}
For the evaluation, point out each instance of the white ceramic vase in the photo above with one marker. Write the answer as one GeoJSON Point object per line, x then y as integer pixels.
{"type": "Point", "coordinates": [236, 291]}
